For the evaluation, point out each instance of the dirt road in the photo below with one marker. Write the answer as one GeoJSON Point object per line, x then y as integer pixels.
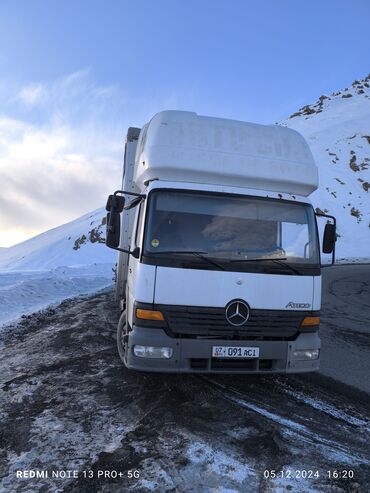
{"type": "Point", "coordinates": [69, 408]}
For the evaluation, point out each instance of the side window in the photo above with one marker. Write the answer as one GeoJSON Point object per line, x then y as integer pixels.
{"type": "Point", "coordinates": [139, 226]}
{"type": "Point", "coordinates": [296, 240]}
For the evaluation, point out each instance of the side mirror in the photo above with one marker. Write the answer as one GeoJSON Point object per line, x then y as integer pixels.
{"type": "Point", "coordinates": [115, 203]}
{"type": "Point", "coordinates": [329, 238]}
{"type": "Point", "coordinates": [113, 229]}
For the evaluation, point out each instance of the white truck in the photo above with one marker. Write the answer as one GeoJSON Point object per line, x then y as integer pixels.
{"type": "Point", "coordinates": [219, 267]}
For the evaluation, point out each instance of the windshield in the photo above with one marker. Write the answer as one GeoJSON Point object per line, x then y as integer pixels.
{"type": "Point", "coordinates": [230, 227]}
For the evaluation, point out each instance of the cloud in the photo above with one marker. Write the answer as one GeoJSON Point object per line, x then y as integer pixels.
{"type": "Point", "coordinates": [55, 166]}
{"type": "Point", "coordinates": [45, 177]}
{"type": "Point", "coordinates": [31, 94]}
{"type": "Point", "coordinates": [72, 96]}
{"type": "Point", "coordinates": [61, 149]}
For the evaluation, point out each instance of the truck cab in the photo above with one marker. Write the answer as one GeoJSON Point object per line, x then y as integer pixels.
{"type": "Point", "coordinates": [218, 267]}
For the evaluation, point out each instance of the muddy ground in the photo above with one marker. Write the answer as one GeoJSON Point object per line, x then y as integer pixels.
{"type": "Point", "coordinates": [69, 408]}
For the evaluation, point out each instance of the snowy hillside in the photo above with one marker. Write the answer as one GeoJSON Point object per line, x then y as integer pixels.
{"type": "Point", "coordinates": [337, 128]}
{"type": "Point", "coordinates": [66, 261]}
{"type": "Point", "coordinates": [76, 243]}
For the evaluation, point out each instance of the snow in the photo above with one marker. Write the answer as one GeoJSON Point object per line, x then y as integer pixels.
{"type": "Point", "coordinates": [23, 292]}
{"type": "Point", "coordinates": [57, 247]}
{"type": "Point", "coordinates": [297, 432]}
{"type": "Point", "coordinates": [337, 128]}
{"type": "Point", "coordinates": [329, 409]}
{"type": "Point", "coordinates": [291, 478]}
{"type": "Point", "coordinates": [219, 462]}
{"type": "Point", "coordinates": [61, 263]}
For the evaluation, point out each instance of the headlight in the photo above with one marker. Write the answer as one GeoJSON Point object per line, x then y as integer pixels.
{"type": "Point", "coordinates": [152, 352]}
{"type": "Point", "coordinates": [306, 354]}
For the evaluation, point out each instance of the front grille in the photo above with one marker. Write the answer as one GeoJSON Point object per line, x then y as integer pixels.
{"type": "Point", "coordinates": [188, 321]}
{"type": "Point", "coordinates": [224, 364]}
{"type": "Point", "coordinates": [198, 363]}
{"type": "Point", "coordinates": [231, 364]}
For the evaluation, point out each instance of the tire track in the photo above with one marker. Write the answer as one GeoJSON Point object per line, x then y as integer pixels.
{"type": "Point", "coordinates": [356, 452]}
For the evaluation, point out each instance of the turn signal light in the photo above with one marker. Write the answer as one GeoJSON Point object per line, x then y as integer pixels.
{"type": "Point", "coordinates": [310, 321]}
{"type": "Point", "coordinates": [149, 314]}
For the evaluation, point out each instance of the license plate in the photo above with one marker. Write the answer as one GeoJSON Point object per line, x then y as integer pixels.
{"type": "Point", "coordinates": [235, 352]}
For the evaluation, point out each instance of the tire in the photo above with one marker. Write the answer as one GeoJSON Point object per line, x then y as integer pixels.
{"type": "Point", "coordinates": [121, 332]}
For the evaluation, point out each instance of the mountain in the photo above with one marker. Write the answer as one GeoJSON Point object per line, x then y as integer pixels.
{"type": "Point", "coordinates": [64, 262]}
{"type": "Point", "coordinates": [77, 243]}
{"type": "Point", "coordinates": [337, 128]}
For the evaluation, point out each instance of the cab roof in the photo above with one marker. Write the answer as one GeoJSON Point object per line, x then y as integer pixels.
{"type": "Point", "coordinates": [180, 146]}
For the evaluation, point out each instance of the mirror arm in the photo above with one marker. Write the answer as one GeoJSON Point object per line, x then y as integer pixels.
{"type": "Point", "coordinates": [122, 192]}
{"type": "Point", "coordinates": [327, 215]}
{"type": "Point", "coordinates": [135, 252]}
{"type": "Point", "coordinates": [138, 198]}
{"type": "Point", "coordinates": [133, 203]}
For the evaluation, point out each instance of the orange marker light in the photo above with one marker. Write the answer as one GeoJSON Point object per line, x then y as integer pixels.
{"type": "Point", "coordinates": [149, 314]}
{"type": "Point", "coordinates": [310, 321]}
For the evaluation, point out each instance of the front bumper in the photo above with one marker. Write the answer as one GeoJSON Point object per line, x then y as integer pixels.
{"type": "Point", "coordinates": [194, 355]}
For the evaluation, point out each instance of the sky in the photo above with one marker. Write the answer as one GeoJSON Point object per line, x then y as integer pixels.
{"type": "Point", "coordinates": [75, 74]}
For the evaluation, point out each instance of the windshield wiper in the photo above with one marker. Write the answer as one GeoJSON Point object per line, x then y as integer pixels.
{"type": "Point", "coordinates": [177, 251]}
{"type": "Point", "coordinates": [275, 260]}
{"type": "Point", "coordinates": [210, 261]}
{"type": "Point", "coordinates": [199, 254]}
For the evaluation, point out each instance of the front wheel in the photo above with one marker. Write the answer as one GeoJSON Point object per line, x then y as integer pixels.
{"type": "Point", "coordinates": [121, 334]}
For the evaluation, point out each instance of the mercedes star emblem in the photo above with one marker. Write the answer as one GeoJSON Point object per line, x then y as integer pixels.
{"type": "Point", "coordinates": [237, 312]}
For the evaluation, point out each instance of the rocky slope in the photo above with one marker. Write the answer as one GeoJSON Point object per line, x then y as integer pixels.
{"type": "Point", "coordinates": [337, 128]}
{"type": "Point", "coordinates": [77, 243]}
